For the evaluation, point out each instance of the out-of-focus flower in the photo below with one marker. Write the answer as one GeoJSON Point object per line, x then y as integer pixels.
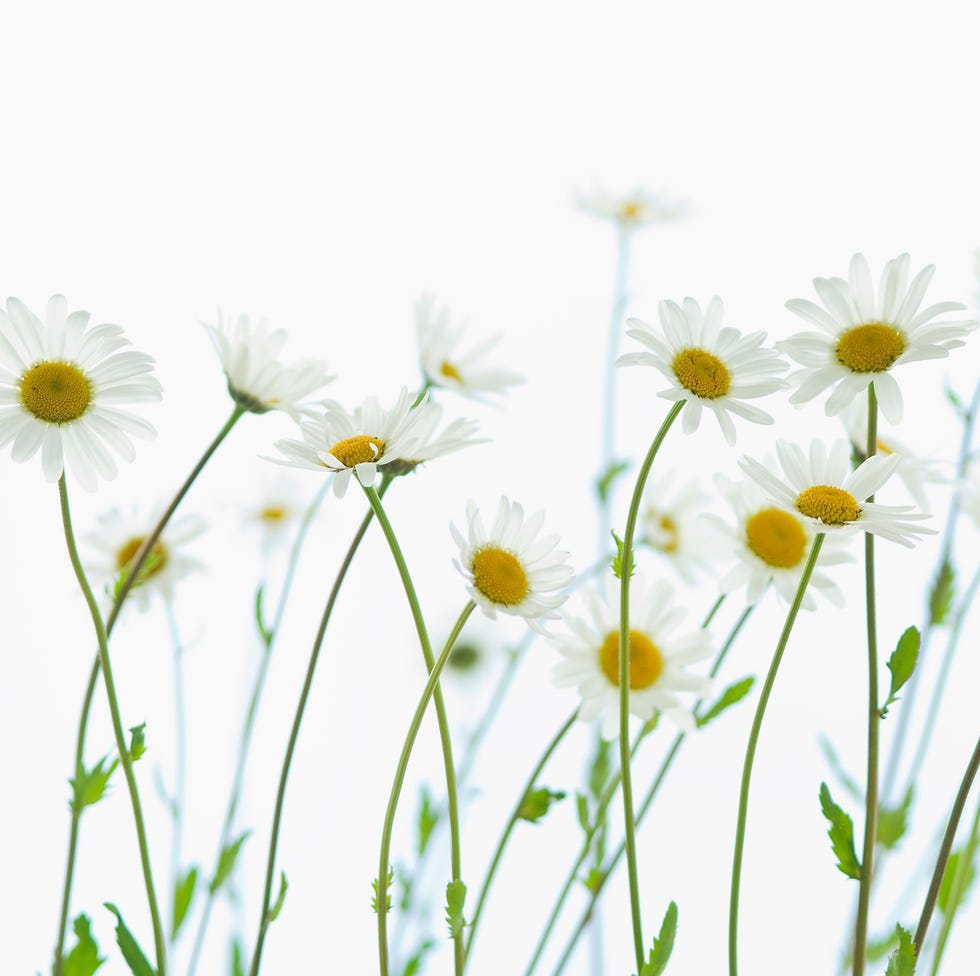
{"type": "Point", "coordinates": [634, 209]}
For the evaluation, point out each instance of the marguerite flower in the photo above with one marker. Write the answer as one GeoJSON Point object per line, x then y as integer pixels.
{"type": "Point", "coordinates": [510, 569]}
{"type": "Point", "coordinates": [444, 365]}
{"type": "Point", "coordinates": [706, 365]}
{"type": "Point", "coordinates": [61, 384]}
{"type": "Point", "coordinates": [257, 381]}
{"type": "Point", "coordinates": [634, 209]}
{"type": "Point", "coordinates": [830, 496]}
{"type": "Point", "coordinates": [656, 656]}
{"type": "Point", "coordinates": [863, 337]}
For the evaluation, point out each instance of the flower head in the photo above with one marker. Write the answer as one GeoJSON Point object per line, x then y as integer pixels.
{"type": "Point", "coordinates": [864, 336]}
{"type": "Point", "coordinates": [707, 366]}
{"type": "Point", "coordinates": [634, 209]}
{"type": "Point", "coordinates": [510, 569]}
{"type": "Point", "coordinates": [61, 386]}
{"type": "Point", "coordinates": [657, 657]}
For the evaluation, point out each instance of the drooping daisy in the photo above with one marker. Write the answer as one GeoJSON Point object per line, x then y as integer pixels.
{"type": "Point", "coordinates": [830, 496]}
{"type": "Point", "coordinates": [634, 209]}
{"type": "Point", "coordinates": [444, 365]}
{"type": "Point", "coordinates": [864, 337]}
{"type": "Point", "coordinates": [707, 366]}
{"type": "Point", "coordinates": [456, 435]}
{"type": "Point", "coordinates": [510, 569]}
{"type": "Point", "coordinates": [590, 650]}
{"type": "Point", "coordinates": [61, 387]}
{"type": "Point", "coordinates": [257, 381]}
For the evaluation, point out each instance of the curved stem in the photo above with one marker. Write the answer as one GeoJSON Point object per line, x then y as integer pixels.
{"type": "Point", "coordinates": [760, 711]}
{"type": "Point", "coordinates": [117, 728]}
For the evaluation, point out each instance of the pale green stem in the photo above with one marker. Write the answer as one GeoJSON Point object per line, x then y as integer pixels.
{"type": "Point", "coordinates": [180, 758]}
{"type": "Point", "coordinates": [117, 728]}
{"type": "Point", "coordinates": [760, 711]}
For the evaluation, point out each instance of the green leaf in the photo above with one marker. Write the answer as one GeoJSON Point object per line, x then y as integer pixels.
{"type": "Point", "coordinates": [663, 944]}
{"type": "Point", "coordinates": [943, 591]}
{"type": "Point", "coordinates": [582, 809]}
{"type": "Point", "coordinates": [237, 959]}
{"type": "Point", "coordinates": [414, 965]}
{"type": "Point", "coordinates": [599, 770]}
{"type": "Point", "coordinates": [837, 767]}
{"type": "Point", "coordinates": [605, 481]}
{"type": "Point", "coordinates": [137, 742]}
{"type": "Point", "coordinates": [841, 834]}
{"type": "Point", "coordinates": [84, 959]}
{"type": "Point", "coordinates": [280, 898]}
{"type": "Point", "coordinates": [387, 897]}
{"type": "Point", "coordinates": [226, 862]}
{"type": "Point", "coordinates": [879, 948]}
{"type": "Point", "coordinates": [455, 896]}
{"type": "Point", "coordinates": [260, 624]}
{"type": "Point", "coordinates": [89, 786]}
{"type": "Point", "coordinates": [428, 818]}
{"type": "Point", "coordinates": [132, 953]}
{"type": "Point", "coordinates": [537, 803]}
{"type": "Point", "coordinates": [183, 894]}
{"type": "Point", "coordinates": [893, 821]}
{"type": "Point", "coordinates": [955, 401]}
{"type": "Point", "coordinates": [901, 664]}
{"type": "Point", "coordinates": [735, 692]}
{"type": "Point", "coordinates": [946, 885]}
{"type": "Point", "coordinates": [617, 563]}
{"type": "Point", "coordinates": [902, 961]}
{"type": "Point", "coordinates": [594, 879]}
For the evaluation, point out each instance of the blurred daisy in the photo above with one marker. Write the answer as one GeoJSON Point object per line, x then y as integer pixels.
{"type": "Point", "coordinates": [444, 365]}
{"type": "Point", "coordinates": [61, 384]}
{"type": "Point", "coordinates": [119, 537]}
{"type": "Point", "coordinates": [671, 524]}
{"type": "Point", "coordinates": [864, 337]}
{"type": "Point", "coordinates": [657, 657]}
{"type": "Point", "coordinates": [830, 496]}
{"type": "Point", "coordinates": [457, 434]}
{"type": "Point", "coordinates": [510, 568]}
{"type": "Point", "coordinates": [257, 381]}
{"type": "Point", "coordinates": [629, 210]}
{"type": "Point", "coordinates": [707, 366]}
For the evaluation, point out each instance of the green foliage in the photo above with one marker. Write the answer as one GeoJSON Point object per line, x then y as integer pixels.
{"type": "Point", "coordinates": [89, 786]}
{"type": "Point", "coordinates": [893, 821]}
{"type": "Point", "coordinates": [582, 809]}
{"type": "Point", "coordinates": [84, 959]}
{"type": "Point", "coordinates": [837, 767]}
{"type": "Point", "coordinates": [902, 961]}
{"type": "Point", "coordinates": [184, 889]}
{"type": "Point", "coordinates": [455, 896]}
{"type": "Point", "coordinates": [617, 563]}
{"type": "Point", "coordinates": [414, 965]}
{"type": "Point", "coordinates": [942, 593]}
{"type": "Point", "coordinates": [604, 482]}
{"type": "Point", "coordinates": [273, 913]}
{"type": "Point", "coordinates": [594, 880]}
{"type": "Point", "coordinates": [943, 899]}
{"type": "Point", "coordinates": [428, 818]}
{"type": "Point", "coordinates": [599, 770]}
{"type": "Point", "coordinates": [901, 664]}
{"type": "Point", "coordinates": [387, 896]}
{"type": "Point", "coordinates": [879, 948]}
{"type": "Point", "coordinates": [237, 959]}
{"type": "Point", "coordinates": [537, 803]}
{"type": "Point", "coordinates": [956, 402]}
{"type": "Point", "coordinates": [264, 633]}
{"type": "Point", "coordinates": [137, 742]}
{"type": "Point", "coordinates": [735, 692]}
{"type": "Point", "coordinates": [132, 953]}
{"type": "Point", "coordinates": [841, 834]}
{"type": "Point", "coordinates": [226, 862]}
{"type": "Point", "coordinates": [663, 944]}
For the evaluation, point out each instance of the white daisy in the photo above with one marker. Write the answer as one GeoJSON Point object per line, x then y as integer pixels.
{"type": "Point", "coordinates": [830, 496]}
{"type": "Point", "coordinates": [510, 568]}
{"type": "Point", "coordinates": [456, 435]}
{"type": "Point", "coordinates": [257, 381]}
{"type": "Point", "coordinates": [863, 337]}
{"type": "Point", "coordinates": [61, 386]}
{"type": "Point", "coordinates": [657, 658]}
{"type": "Point", "coordinates": [444, 365]}
{"type": "Point", "coordinates": [634, 209]}
{"type": "Point", "coordinates": [706, 365]}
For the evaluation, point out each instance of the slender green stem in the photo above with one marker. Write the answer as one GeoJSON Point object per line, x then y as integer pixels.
{"type": "Point", "coordinates": [178, 801]}
{"type": "Point", "coordinates": [760, 711]}
{"type": "Point", "coordinates": [624, 682]}
{"type": "Point", "coordinates": [136, 564]}
{"type": "Point", "coordinates": [431, 686]}
{"type": "Point", "coordinates": [117, 728]}
{"type": "Point", "coordinates": [874, 719]}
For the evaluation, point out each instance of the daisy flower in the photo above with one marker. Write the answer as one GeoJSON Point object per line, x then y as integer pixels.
{"type": "Point", "coordinates": [830, 496]}
{"type": "Point", "coordinates": [657, 657]}
{"type": "Point", "coordinates": [863, 338]}
{"type": "Point", "coordinates": [444, 365]}
{"type": "Point", "coordinates": [61, 384]}
{"type": "Point", "coordinates": [634, 209]}
{"type": "Point", "coordinates": [257, 381]}
{"type": "Point", "coordinates": [707, 366]}
{"type": "Point", "coordinates": [510, 568]}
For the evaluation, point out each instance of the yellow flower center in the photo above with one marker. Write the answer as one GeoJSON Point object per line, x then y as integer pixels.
{"type": "Point", "coordinates": [776, 537]}
{"type": "Point", "coordinates": [646, 662]}
{"type": "Point", "coordinates": [450, 372]}
{"type": "Point", "coordinates": [499, 576]}
{"type": "Point", "coordinates": [669, 540]}
{"type": "Point", "coordinates": [274, 513]}
{"type": "Point", "coordinates": [56, 393]}
{"type": "Point", "coordinates": [629, 210]}
{"type": "Point", "coordinates": [833, 506]}
{"type": "Point", "coordinates": [870, 348]}
{"type": "Point", "coordinates": [703, 373]}
{"type": "Point", "coordinates": [156, 560]}
{"type": "Point", "coordinates": [356, 450]}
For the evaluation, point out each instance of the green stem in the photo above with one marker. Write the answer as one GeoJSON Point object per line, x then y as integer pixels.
{"type": "Point", "coordinates": [180, 759]}
{"type": "Point", "coordinates": [117, 728]}
{"type": "Point", "coordinates": [743, 798]}
{"type": "Point", "coordinates": [624, 681]}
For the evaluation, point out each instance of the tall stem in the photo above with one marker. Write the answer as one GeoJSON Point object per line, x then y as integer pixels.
{"type": "Point", "coordinates": [180, 756]}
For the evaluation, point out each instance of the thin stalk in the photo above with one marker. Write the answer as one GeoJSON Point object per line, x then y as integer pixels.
{"type": "Point", "coordinates": [760, 711]}
{"type": "Point", "coordinates": [180, 757]}
{"type": "Point", "coordinates": [117, 728]}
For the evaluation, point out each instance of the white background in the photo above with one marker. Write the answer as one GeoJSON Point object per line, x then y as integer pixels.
{"type": "Point", "coordinates": [323, 165]}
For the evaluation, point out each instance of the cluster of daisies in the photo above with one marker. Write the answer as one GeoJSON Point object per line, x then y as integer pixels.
{"type": "Point", "coordinates": [65, 389]}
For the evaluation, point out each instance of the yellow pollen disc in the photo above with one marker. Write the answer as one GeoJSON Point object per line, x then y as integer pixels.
{"type": "Point", "coordinates": [776, 538]}
{"type": "Point", "coordinates": [704, 374]}
{"type": "Point", "coordinates": [630, 210]}
{"type": "Point", "coordinates": [450, 372]}
{"type": "Point", "coordinates": [669, 527]}
{"type": "Point", "coordinates": [499, 576]}
{"type": "Point", "coordinates": [870, 348]}
{"type": "Point", "coordinates": [357, 450]}
{"type": "Point", "coordinates": [833, 506]}
{"type": "Point", "coordinates": [646, 662]}
{"type": "Point", "coordinates": [56, 393]}
{"type": "Point", "coordinates": [154, 562]}
{"type": "Point", "coordinates": [274, 513]}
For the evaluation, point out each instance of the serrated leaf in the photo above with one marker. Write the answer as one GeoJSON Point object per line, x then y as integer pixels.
{"type": "Point", "coordinates": [605, 481]}
{"type": "Point", "coordinates": [138, 963]}
{"type": "Point", "coordinates": [537, 803]}
{"type": "Point", "coordinates": [837, 767]}
{"type": "Point", "coordinates": [901, 664]}
{"type": "Point", "coordinates": [946, 885]}
{"type": "Point", "coordinates": [387, 896]}
{"type": "Point", "coordinates": [237, 959]}
{"type": "Point", "coordinates": [841, 834]}
{"type": "Point", "coordinates": [617, 563]}
{"type": "Point", "coordinates": [879, 948]}
{"type": "Point", "coordinates": [226, 862]}
{"type": "Point", "coordinates": [455, 896]}
{"type": "Point", "coordinates": [735, 692]}
{"type": "Point", "coordinates": [902, 961]}
{"type": "Point", "coordinates": [280, 898]}
{"type": "Point", "coordinates": [137, 741]}
{"type": "Point", "coordinates": [893, 821]}
{"type": "Point", "coordinates": [942, 593]}
{"type": "Point", "coordinates": [428, 818]}
{"type": "Point", "coordinates": [89, 786]}
{"type": "Point", "coordinates": [183, 895]}
{"type": "Point", "coordinates": [84, 959]}
{"type": "Point", "coordinates": [582, 810]}
{"type": "Point", "coordinates": [260, 623]}
{"type": "Point", "coordinates": [663, 944]}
